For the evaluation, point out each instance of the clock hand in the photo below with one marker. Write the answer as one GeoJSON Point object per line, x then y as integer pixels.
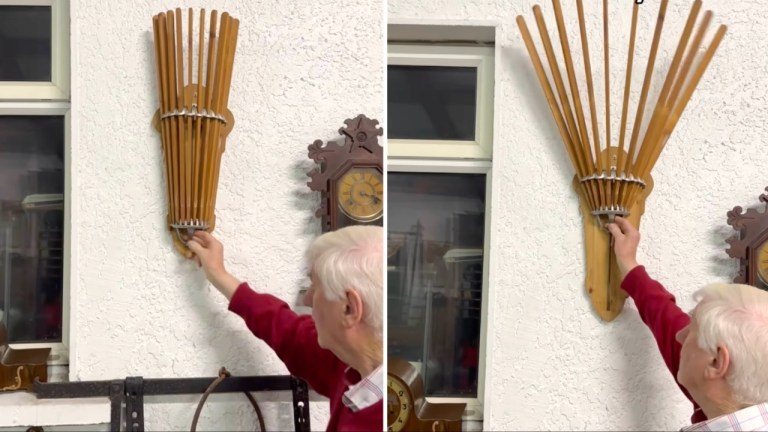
{"type": "Point", "coordinates": [375, 198]}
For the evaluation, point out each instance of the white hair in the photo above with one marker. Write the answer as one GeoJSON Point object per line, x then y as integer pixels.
{"type": "Point", "coordinates": [352, 258]}
{"type": "Point", "coordinates": [736, 316]}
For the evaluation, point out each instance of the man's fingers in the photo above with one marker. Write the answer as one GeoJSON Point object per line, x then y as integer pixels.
{"type": "Point", "coordinates": [195, 246]}
{"type": "Point", "coordinates": [614, 229]}
{"type": "Point", "coordinates": [624, 224]}
{"type": "Point", "coordinates": [203, 237]}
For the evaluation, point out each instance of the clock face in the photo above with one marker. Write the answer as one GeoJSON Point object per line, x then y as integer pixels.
{"type": "Point", "coordinates": [399, 405]}
{"type": "Point", "coordinates": [361, 194]}
{"type": "Point", "coordinates": [762, 264]}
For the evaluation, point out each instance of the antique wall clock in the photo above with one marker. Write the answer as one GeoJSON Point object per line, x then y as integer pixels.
{"type": "Point", "coordinates": [350, 176]}
{"type": "Point", "coordinates": [408, 409]}
{"type": "Point", "coordinates": [750, 245]}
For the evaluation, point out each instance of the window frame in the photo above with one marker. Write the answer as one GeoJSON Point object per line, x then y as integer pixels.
{"type": "Point", "coordinates": [45, 99]}
{"type": "Point", "coordinates": [59, 350]}
{"type": "Point", "coordinates": [58, 88]}
{"type": "Point", "coordinates": [481, 57]}
{"type": "Point", "coordinates": [474, 410]}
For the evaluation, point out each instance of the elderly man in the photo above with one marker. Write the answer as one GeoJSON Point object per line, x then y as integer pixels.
{"type": "Point", "coordinates": [338, 350]}
{"type": "Point", "coordinates": [718, 352]}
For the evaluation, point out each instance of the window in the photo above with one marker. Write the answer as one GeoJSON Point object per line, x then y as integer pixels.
{"type": "Point", "coordinates": [440, 116]}
{"type": "Point", "coordinates": [34, 182]}
{"type": "Point", "coordinates": [440, 101]}
{"type": "Point", "coordinates": [34, 40]}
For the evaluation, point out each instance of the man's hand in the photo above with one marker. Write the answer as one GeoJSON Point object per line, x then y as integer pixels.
{"type": "Point", "coordinates": [625, 241]}
{"type": "Point", "coordinates": [209, 254]}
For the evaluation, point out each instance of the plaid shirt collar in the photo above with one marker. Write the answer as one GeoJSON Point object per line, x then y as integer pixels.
{"type": "Point", "coordinates": [754, 418]}
{"type": "Point", "coordinates": [363, 392]}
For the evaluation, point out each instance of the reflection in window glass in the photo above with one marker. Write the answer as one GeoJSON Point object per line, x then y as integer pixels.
{"type": "Point", "coordinates": [31, 226]}
{"type": "Point", "coordinates": [25, 43]}
{"type": "Point", "coordinates": [435, 276]}
{"type": "Point", "coordinates": [431, 102]}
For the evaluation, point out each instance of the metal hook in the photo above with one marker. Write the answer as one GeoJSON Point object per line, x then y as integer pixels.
{"type": "Point", "coordinates": [190, 226]}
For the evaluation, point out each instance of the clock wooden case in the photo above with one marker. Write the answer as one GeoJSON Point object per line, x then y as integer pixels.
{"type": "Point", "coordinates": [20, 367]}
{"type": "Point", "coordinates": [350, 176]}
{"type": "Point", "coordinates": [407, 407]}
{"type": "Point", "coordinates": [750, 245]}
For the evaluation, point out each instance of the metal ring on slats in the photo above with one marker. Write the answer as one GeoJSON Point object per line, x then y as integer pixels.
{"type": "Point", "coordinates": [193, 112]}
{"type": "Point", "coordinates": [613, 177]}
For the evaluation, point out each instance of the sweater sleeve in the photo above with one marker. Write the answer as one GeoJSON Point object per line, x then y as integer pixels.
{"type": "Point", "coordinates": [291, 336]}
{"type": "Point", "coordinates": [661, 314]}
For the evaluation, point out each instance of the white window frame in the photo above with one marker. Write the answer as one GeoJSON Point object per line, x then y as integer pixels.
{"type": "Point", "coordinates": [59, 350]}
{"type": "Point", "coordinates": [59, 86]}
{"type": "Point", "coordinates": [456, 157]}
{"type": "Point", "coordinates": [31, 98]}
{"type": "Point", "coordinates": [479, 57]}
{"type": "Point", "coordinates": [474, 410]}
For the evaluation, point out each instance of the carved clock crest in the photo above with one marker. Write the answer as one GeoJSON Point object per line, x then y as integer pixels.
{"type": "Point", "coordinates": [350, 176]}
{"type": "Point", "coordinates": [750, 245]}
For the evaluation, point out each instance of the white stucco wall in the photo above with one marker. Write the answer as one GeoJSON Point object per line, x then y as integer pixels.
{"type": "Point", "coordinates": [138, 308]}
{"type": "Point", "coordinates": [552, 364]}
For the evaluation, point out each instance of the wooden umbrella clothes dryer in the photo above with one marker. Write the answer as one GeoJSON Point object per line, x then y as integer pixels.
{"type": "Point", "coordinates": [193, 119]}
{"type": "Point", "coordinates": [613, 179]}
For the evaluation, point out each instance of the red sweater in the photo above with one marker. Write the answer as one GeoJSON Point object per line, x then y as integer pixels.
{"type": "Point", "coordinates": [664, 318]}
{"type": "Point", "coordinates": [294, 339]}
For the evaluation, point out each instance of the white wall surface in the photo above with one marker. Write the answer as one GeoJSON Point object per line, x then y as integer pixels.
{"type": "Point", "coordinates": [552, 364]}
{"type": "Point", "coordinates": [138, 308]}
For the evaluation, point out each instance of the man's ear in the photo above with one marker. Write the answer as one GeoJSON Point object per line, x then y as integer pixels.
{"type": "Point", "coordinates": [719, 364]}
{"type": "Point", "coordinates": [353, 310]}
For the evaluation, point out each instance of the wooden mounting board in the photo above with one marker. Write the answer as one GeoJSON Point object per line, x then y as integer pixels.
{"type": "Point", "coordinates": [606, 295]}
